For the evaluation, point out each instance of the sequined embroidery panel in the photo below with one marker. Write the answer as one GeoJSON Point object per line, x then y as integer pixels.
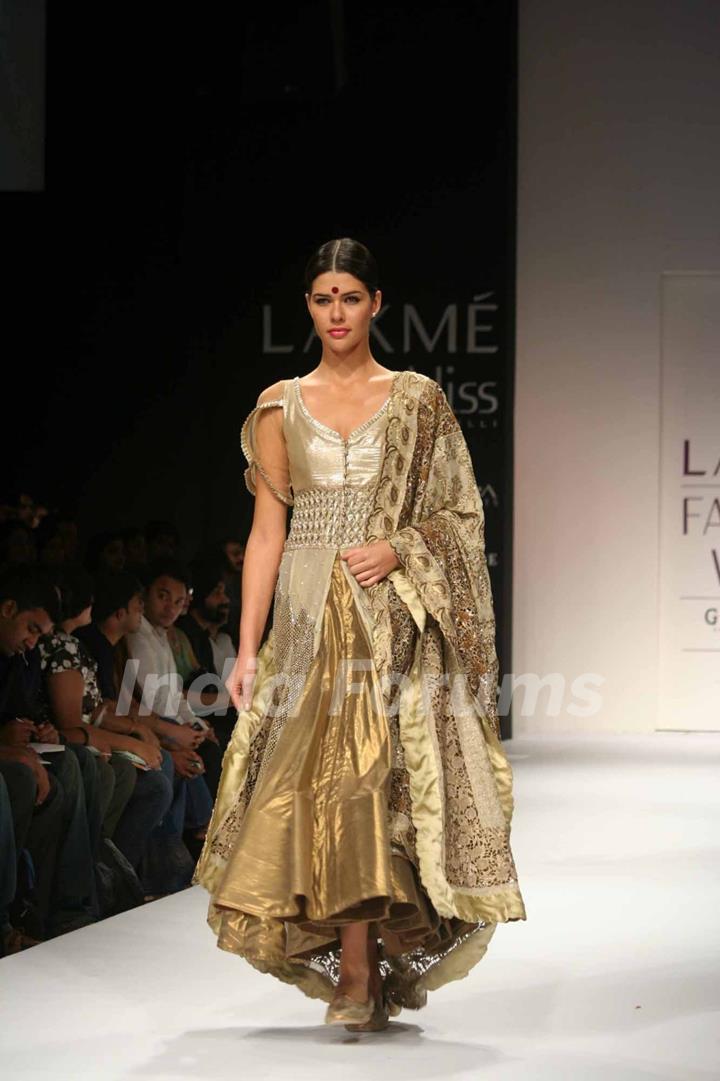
{"type": "Point", "coordinates": [330, 517]}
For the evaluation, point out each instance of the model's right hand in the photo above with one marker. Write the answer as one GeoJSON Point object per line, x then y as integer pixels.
{"type": "Point", "coordinates": [240, 681]}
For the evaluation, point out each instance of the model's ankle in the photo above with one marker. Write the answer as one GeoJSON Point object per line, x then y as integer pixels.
{"type": "Point", "coordinates": [355, 973]}
{"type": "Point", "coordinates": [354, 981]}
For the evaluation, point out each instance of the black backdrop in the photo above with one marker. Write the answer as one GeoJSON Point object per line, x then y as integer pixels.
{"type": "Point", "coordinates": [195, 156]}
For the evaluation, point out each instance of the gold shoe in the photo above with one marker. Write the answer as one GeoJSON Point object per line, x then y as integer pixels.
{"type": "Point", "coordinates": [344, 1010]}
{"type": "Point", "coordinates": [377, 1021]}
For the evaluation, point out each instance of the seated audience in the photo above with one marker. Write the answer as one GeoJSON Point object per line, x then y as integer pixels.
{"type": "Point", "coordinates": [158, 680]}
{"type": "Point", "coordinates": [188, 665]}
{"type": "Point", "coordinates": [17, 545]}
{"type": "Point", "coordinates": [50, 542]}
{"type": "Point", "coordinates": [135, 551]}
{"type": "Point", "coordinates": [105, 552]}
{"type": "Point", "coordinates": [117, 612]}
{"type": "Point", "coordinates": [208, 612]}
{"type": "Point", "coordinates": [207, 615]}
{"type": "Point", "coordinates": [162, 540]}
{"type": "Point", "coordinates": [68, 529]}
{"type": "Point", "coordinates": [103, 676]}
{"type": "Point", "coordinates": [233, 551]}
{"type": "Point", "coordinates": [73, 700]}
{"type": "Point", "coordinates": [48, 802]}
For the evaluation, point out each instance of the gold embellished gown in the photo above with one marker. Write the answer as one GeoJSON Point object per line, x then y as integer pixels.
{"type": "Point", "coordinates": [367, 779]}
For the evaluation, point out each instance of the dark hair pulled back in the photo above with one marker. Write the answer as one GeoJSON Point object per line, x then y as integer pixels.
{"type": "Point", "coordinates": [344, 256]}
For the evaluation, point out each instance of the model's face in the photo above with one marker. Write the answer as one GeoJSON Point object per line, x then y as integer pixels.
{"type": "Point", "coordinates": [341, 310]}
{"type": "Point", "coordinates": [19, 631]}
{"type": "Point", "coordinates": [164, 601]}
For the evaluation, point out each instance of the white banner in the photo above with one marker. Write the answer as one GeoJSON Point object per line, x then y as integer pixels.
{"type": "Point", "coordinates": [689, 584]}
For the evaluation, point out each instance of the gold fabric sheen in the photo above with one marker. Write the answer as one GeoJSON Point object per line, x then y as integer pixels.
{"type": "Point", "coordinates": [367, 779]}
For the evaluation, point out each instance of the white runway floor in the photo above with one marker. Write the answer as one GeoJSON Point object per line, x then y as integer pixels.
{"type": "Point", "coordinates": [614, 975]}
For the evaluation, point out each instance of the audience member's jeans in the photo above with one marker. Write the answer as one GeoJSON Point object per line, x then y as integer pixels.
{"type": "Point", "coordinates": [146, 808]}
{"type": "Point", "coordinates": [167, 865]}
{"type": "Point", "coordinates": [99, 785]}
{"type": "Point", "coordinates": [145, 812]}
{"type": "Point", "coordinates": [37, 828]}
{"type": "Point", "coordinates": [126, 776]}
{"type": "Point", "coordinates": [22, 790]}
{"type": "Point", "coordinates": [199, 803]}
{"type": "Point", "coordinates": [8, 862]}
{"type": "Point", "coordinates": [197, 799]}
{"type": "Point", "coordinates": [73, 899]}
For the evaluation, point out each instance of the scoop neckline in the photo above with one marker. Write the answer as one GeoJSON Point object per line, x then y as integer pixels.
{"type": "Point", "coordinates": [332, 431]}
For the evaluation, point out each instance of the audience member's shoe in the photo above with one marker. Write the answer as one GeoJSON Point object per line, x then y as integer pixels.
{"type": "Point", "coordinates": [16, 940]}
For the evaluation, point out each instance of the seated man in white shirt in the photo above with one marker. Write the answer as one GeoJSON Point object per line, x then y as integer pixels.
{"type": "Point", "coordinates": [156, 674]}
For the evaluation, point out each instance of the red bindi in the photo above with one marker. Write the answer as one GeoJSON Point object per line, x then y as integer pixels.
{"type": "Point", "coordinates": [334, 289]}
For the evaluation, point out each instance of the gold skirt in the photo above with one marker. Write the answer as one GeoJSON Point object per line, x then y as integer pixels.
{"type": "Point", "coordinates": [315, 848]}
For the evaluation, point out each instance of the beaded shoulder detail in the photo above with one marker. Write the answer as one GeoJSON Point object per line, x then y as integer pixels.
{"type": "Point", "coordinates": [254, 465]}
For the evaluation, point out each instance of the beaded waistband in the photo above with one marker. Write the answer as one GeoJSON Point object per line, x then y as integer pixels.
{"type": "Point", "coordinates": [330, 517]}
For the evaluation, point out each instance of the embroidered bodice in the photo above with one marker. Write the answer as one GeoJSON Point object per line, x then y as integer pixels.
{"type": "Point", "coordinates": [332, 479]}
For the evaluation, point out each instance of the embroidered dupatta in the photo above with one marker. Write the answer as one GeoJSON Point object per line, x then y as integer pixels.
{"type": "Point", "coordinates": [427, 506]}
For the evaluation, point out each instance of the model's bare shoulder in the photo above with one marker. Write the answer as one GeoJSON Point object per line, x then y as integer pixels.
{"type": "Point", "coordinates": [273, 393]}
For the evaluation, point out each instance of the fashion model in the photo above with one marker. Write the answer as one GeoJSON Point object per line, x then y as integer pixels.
{"type": "Point", "coordinates": [359, 843]}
